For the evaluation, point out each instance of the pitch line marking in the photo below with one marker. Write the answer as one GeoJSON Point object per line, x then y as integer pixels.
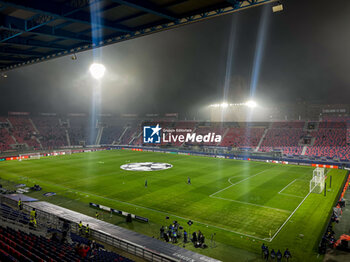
{"type": "Point", "coordinates": [247, 203]}
{"type": "Point", "coordinates": [290, 195]}
{"type": "Point", "coordinates": [241, 202]}
{"type": "Point", "coordinates": [285, 222]}
{"type": "Point", "coordinates": [287, 186]}
{"type": "Point", "coordinates": [237, 182]}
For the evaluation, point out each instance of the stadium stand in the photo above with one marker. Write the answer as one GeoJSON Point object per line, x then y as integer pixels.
{"type": "Point", "coordinates": [131, 134]}
{"type": "Point", "coordinates": [51, 133]}
{"type": "Point", "coordinates": [16, 245]}
{"type": "Point", "coordinates": [78, 130]}
{"type": "Point", "coordinates": [23, 131]}
{"type": "Point", "coordinates": [242, 137]}
{"type": "Point", "coordinates": [113, 129]}
{"type": "Point", "coordinates": [328, 140]}
{"type": "Point", "coordinates": [284, 136]}
{"type": "Point", "coordinates": [5, 140]}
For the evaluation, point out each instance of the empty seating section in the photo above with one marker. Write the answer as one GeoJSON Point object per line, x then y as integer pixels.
{"type": "Point", "coordinates": [113, 129]}
{"type": "Point", "coordinates": [242, 137]}
{"type": "Point", "coordinates": [78, 130]}
{"type": "Point", "coordinates": [21, 246]}
{"type": "Point", "coordinates": [286, 150]}
{"type": "Point", "coordinates": [51, 133]}
{"type": "Point", "coordinates": [341, 153]}
{"type": "Point", "coordinates": [23, 130]}
{"type": "Point", "coordinates": [330, 141]}
{"type": "Point", "coordinates": [329, 138]}
{"type": "Point", "coordinates": [111, 134]}
{"type": "Point", "coordinates": [285, 137]}
{"type": "Point", "coordinates": [5, 139]}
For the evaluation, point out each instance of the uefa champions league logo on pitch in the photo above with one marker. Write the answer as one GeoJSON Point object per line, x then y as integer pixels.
{"type": "Point", "coordinates": [151, 134]}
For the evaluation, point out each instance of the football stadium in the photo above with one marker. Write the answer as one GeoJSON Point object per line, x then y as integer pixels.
{"type": "Point", "coordinates": [174, 130]}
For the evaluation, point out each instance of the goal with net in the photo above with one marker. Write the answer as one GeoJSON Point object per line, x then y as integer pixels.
{"type": "Point", "coordinates": [29, 156]}
{"type": "Point", "coordinates": [317, 181]}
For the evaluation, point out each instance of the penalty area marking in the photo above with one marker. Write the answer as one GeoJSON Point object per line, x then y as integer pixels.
{"type": "Point", "coordinates": [241, 202]}
{"type": "Point", "coordinates": [289, 194]}
{"type": "Point", "coordinates": [237, 182]}
{"type": "Point", "coordinates": [284, 223]}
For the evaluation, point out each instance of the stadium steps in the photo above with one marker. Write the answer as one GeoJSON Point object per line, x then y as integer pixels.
{"type": "Point", "coordinates": [135, 137]}
{"type": "Point", "coordinates": [67, 136]}
{"type": "Point", "coordinates": [122, 135]}
{"type": "Point", "coordinates": [37, 131]}
{"type": "Point", "coordinates": [34, 126]}
{"type": "Point", "coordinates": [14, 139]}
{"type": "Point", "coordinates": [9, 122]}
{"type": "Point", "coordinates": [304, 150]}
{"type": "Point", "coordinates": [223, 136]}
{"type": "Point", "coordinates": [262, 139]}
{"type": "Point", "coordinates": [99, 135]}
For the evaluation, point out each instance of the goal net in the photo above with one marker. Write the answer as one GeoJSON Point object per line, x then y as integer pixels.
{"type": "Point", "coordinates": [29, 156]}
{"type": "Point", "coordinates": [317, 181]}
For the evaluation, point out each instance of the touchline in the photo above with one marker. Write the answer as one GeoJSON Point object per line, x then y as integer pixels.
{"type": "Point", "coordinates": [210, 137]}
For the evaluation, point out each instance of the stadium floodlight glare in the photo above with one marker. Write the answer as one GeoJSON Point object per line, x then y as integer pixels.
{"type": "Point", "coordinates": [251, 104]}
{"type": "Point", "coordinates": [224, 105]}
{"type": "Point", "coordinates": [97, 70]}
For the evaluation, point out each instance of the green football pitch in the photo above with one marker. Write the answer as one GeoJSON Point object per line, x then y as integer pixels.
{"type": "Point", "coordinates": [244, 203]}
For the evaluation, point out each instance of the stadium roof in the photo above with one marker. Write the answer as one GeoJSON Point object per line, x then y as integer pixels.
{"type": "Point", "coordinates": [38, 30]}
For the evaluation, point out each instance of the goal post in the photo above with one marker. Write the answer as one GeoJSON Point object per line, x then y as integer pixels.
{"type": "Point", "coordinates": [317, 181]}
{"type": "Point", "coordinates": [29, 156]}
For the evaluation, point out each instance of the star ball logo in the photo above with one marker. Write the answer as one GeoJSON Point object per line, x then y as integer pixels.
{"type": "Point", "coordinates": [151, 134]}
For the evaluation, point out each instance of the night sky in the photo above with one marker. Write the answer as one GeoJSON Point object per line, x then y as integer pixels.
{"type": "Point", "coordinates": [305, 56]}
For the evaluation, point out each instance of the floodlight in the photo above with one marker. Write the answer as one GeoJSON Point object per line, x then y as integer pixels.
{"type": "Point", "coordinates": [97, 70]}
{"type": "Point", "coordinates": [278, 7]}
{"type": "Point", "coordinates": [251, 104]}
{"type": "Point", "coordinates": [224, 105]}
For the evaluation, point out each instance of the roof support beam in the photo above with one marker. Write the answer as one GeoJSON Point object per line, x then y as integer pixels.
{"type": "Point", "coordinates": [148, 7]}
{"type": "Point", "coordinates": [19, 52]}
{"type": "Point", "coordinates": [235, 3]}
{"type": "Point", "coordinates": [35, 43]}
{"type": "Point", "coordinates": [13, 59]}
{"type": "Point", "coordinates": [21, 26]}
{"type": "Point", "coordinates": [60, 11]}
